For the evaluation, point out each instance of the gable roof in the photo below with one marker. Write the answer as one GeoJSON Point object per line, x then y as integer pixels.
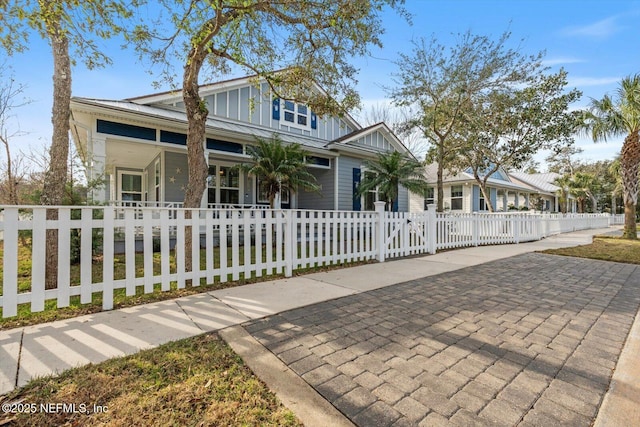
{"type": "Point", "coordinates": [360, 133]}
{"type": "Point", "coordinates": [464, 176]}
{"type": "Point", "coordinates": [207, 89]}
{"type": "Point", "coordinates": [539, 181]}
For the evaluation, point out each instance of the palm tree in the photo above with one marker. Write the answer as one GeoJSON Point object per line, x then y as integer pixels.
{"type": "Point", "coordinates": [618, 116]}
{"type": "Point", "coordinates": [279, 167]}
{"type": "Point", "coordinates": [564, 184]}
{"type": "Point", "coordinates": [388, 172]}
{"type": "Point", "coordinates": [582, 186]}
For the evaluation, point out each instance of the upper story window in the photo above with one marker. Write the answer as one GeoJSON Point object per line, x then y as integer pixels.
{"type": "Point", "coordinates": [294, 115]}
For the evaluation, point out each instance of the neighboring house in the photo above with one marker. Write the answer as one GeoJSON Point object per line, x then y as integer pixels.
{"type": "Point", "coordinates": [548, 194]}
{"type": "Point", "coordinates": [462, 193]}
{"type": "Point", "coordinates": [139, 146]}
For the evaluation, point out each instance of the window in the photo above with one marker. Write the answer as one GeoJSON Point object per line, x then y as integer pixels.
{"type": "Point", "coordinates": [289, 111]}
{"type": "Point", "coordinates": [456, 197]}
{"type": "Point", "coordinates": [130, 186]}
{"type": "Point", "coordinates": [318, 161]}
{"type": "Point", "coordinates": [296, 114]}
{"type": "Point", "coordinates": [230, 147]}
{"type": "Point", "coordinates": [223, 185]}
{"type": "Point", "coordinates": [429, 197]}
{"type": "Point", "coordinates": [302, 115]}
{"type": "Point", "coordinates": [370, 196]}
{"type": "Point", "coordinates": [483, 204]}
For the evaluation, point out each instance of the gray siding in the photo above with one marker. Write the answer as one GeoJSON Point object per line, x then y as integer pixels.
{"type": "Point", "coordinates": [237, 104]}
{"type": "Point", "coordinates": [221, 104]}
{"type": "Point", "coordinates": [244, 104]}
{"type": "Point", "coordinates": [324, 200]}
{"type": "Point", "coordinates": [403, 199]}
{"type": "Point", "coordinates": [375, 141]}
{"type": "Point", "coordinates": [174, 191]}
{"type": "Point", "coordinates": [233, 103]}
{"type": "Point", "coordinates": [256, 97]}
{"type": "Point", "coordinates": [345, 181]}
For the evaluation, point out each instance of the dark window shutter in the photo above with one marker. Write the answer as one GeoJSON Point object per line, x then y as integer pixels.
{"type": "Point", "coordinates": [314, 121]}
{"type": "Point", "coordinates": [476, 198]}
{"type": "Point", "coordinates": [395, 204]}
{"type": "Point", "coordinates": [356, 182]}
{"type": "Point", "coordinates": [276, 109]}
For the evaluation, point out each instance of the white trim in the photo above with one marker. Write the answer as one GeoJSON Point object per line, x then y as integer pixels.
{"type": "Point", "coordinates": [119, 184]}
{"type": "Point", "coordinates": [336, 180]}
{"type": "Point", "coordinates": [363, 171]}
{"type": "Point", "coordinates": [217, 164]}
{"type": "Point", "coordinates": [296, 115]}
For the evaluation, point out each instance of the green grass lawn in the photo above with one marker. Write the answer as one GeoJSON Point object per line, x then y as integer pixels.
{"type": "Point", "coordinates": [51, 312]}
{"type": "Point", "coordinates": [191, 382]}
{"type": "Point", "coordinates": [604, 248]}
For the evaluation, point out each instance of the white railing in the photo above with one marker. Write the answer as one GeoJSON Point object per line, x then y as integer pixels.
{"type": "Point", "coordinates": [616, 219]}
{"type": "Point", "coordinates": [142, 249]}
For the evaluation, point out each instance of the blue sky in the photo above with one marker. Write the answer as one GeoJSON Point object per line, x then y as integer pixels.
{"type": "Point", "coordinates": [596, 41]}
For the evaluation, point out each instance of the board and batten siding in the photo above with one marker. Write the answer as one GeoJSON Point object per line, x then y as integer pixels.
{"type": "Point", "coordinates": [251, 104]}
{"type": "Point", "coordinates": [403, 199]}
{"type": "Point", "coordinates": [375, 140]}
{"type": "Point", "coordinates": [345, 181]}
{"type": "Point", "coordinates": [174, 191]}
{"type": "Point", "coordinates": [324, 200]}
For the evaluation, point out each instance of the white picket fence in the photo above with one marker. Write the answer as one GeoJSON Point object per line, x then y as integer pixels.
{"type": "Point", "coordinates": [103, 249]}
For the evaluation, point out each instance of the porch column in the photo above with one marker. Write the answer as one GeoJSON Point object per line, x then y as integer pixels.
{"type": "Point", "coordinates": [517, 200]}
{"type": "Point", "coordinates": [526, 200]}
{"type": "Point", "coordinates": [505, 200]}
{"type": "Point", "coordinates": [97, 160]}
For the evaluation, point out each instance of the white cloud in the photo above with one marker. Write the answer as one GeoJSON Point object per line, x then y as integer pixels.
{"type": "Point", "coordinates": [592, 81]}
{"type": "Point", "coordinates": [561, 60]}
{"type": "Point", "coordinates": [602, 28]}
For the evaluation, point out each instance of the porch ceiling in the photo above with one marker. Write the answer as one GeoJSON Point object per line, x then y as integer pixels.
{"type": "Point", "coordinates": [129, 154]}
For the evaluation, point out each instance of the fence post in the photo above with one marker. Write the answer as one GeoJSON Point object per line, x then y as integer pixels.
{"type": "Point", "coordinates": [516, 228]}
{"type": "Point", "coordinates": [432, 233]}
{"type": "Point", "coordinates": [381, 230]}
{"type": "Point", "coordinates": [10, 263]}
{"type": "Point", "coordinates": [475, 232]}
{"type": "Point", "coordinates": [290, 243]}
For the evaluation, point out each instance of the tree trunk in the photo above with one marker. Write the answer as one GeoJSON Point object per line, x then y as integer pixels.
{"type": "Point", "coordinates": [630, 231]}
{"type": "Point", "coordinates": [487, 197]}
{"type": "Point", "coordinates": [594, 203]}
{"type": "Point", "coordinates": [439, 184]}
{"type": "Point", "coordinates": [12, 183]}
{"type": "Point", "coordinates": [629, 161]}
{"type": "Point", "coordinates": [197, 113]}
{"type": "Point", "coordinates": [56, 175]}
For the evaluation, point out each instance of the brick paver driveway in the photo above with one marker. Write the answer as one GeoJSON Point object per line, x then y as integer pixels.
{"type": "Point", "coordinates": [529, 340]}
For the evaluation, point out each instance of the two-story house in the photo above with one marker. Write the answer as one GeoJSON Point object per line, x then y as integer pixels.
{"type": "Point", "coordinates": [138, 146]}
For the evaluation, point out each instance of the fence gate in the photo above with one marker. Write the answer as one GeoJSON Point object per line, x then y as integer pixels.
{"type": "Point", "coordinates": [405, 233]}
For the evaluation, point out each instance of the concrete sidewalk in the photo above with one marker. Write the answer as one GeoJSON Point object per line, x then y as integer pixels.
{"type": "Point", "coordinates": [33, 351]}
